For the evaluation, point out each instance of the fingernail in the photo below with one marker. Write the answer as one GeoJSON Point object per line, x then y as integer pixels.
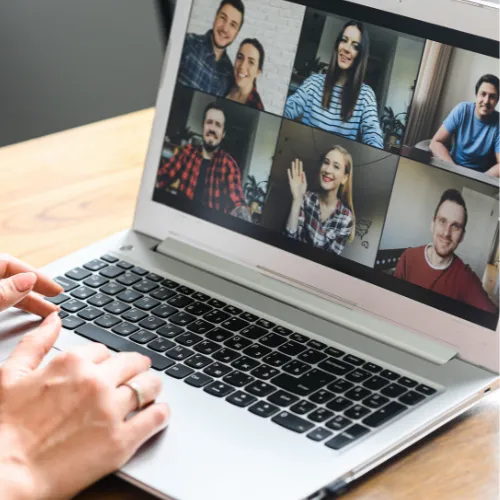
{"type": "Point", "coordinates": [24, 281]}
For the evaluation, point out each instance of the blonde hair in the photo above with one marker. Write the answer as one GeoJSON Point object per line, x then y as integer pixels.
{"type": "Point", "coordinates": [345, 190]}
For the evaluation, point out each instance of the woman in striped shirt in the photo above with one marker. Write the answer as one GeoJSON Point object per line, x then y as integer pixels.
{"type": "Point", "coordinates": [339, 102]}
{"type": "Point", "coordinates": [324, 219]}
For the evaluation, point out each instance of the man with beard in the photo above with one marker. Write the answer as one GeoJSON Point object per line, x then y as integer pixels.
{"type": "Point", "coordinates": [475, 130]}
{"type": "Point", "coordinates": [207, 174]}
{"type": "Point", "coordinates": [205, 64]}
{"type": "Point", "coordinates": [436, 267]}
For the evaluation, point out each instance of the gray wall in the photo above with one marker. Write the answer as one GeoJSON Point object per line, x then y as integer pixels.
{"type": "Point", "coordinates": [65, 63]}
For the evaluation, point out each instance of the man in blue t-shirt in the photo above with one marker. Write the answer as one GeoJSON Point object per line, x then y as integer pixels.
{"type": "Point", "coordinates": [475, 129]}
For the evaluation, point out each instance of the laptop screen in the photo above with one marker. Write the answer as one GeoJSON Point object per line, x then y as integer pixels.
{"type": "Point", "coordinates": [361, 140]}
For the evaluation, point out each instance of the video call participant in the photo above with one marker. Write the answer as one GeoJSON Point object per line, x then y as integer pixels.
{"type": "Point", "coordinates": [205, 64]}
{"type": "Point", "coordinates": [474, 127]}
{"type": "Point", "coordinates": [436, 267]}
{"type": "Point", "coordinates": [325, 219]}
{"type": "Point", "coordinates": [247, 68]}
{"type": "Point", "coordinates": [207, 174]}
{"type": "Point", "coordinates": [339, 102]}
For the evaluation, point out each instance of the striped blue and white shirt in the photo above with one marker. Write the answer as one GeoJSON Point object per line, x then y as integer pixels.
{"type": "Point", "coordinates": [363, 125]}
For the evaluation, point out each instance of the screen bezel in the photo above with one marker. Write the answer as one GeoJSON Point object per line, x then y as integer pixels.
{"type": "Point", "coordinates": [475, 343]}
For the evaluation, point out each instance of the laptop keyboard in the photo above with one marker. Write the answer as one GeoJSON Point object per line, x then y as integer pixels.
{"type": "Point", "coordinates": [298, 382]}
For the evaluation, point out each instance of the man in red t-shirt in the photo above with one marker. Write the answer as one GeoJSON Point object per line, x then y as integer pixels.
{"type": "Point", "coordinates": [436, 267]}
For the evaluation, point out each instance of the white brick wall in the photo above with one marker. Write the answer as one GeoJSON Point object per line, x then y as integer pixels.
{"type": "Point", "coordinates": [276, 24]}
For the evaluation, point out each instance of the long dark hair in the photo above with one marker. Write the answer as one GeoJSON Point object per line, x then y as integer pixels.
{"type": "Point", "coordinates": [355, 75]}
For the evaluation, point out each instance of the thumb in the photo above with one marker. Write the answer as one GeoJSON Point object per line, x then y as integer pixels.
{"type": "Point", "coordinates": [33, 347]}
{"type": "Point", "coordinates": [15, 288]}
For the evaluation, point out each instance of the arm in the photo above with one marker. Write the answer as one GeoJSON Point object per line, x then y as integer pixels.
{"type": "Point", "coordinates": [474, 293]}
{"type": "Point", "coordinates": [169, 172]}
{"type": "Point", "coordinates": [236, 194]}
{"type": "Point", "coordinates": [401, 267]}
{"type": "Point", "coordinates": [439, 144]}
{"type": "Point", "coordinates": [298, 187]}
{"type": "Point", "coordinates": [297, 103]}
{"type": "Point", "coordinates": [371, 133]}
{"type": "Point", "coordinates": [494, 171]}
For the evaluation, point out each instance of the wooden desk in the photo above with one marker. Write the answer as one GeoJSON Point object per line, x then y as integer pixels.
{"type": "Point", "coordinates": [64, 191]}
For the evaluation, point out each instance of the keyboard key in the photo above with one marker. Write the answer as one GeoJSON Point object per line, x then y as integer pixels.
{"type": "Point", "coordinates": [332, 351]}
{"type": "Point", "coordinates": [95, 265]}
{"type": "Point", "coordinates": [354, 360]}
{"type": "Point", "coordinates": [319, 434]}
{"type": "Point", "coordinates": [261, 389]}
{"type": "Point", "coordinates": [125, 265]}
{"type": "Point", "coordinates": [168, 283]}
{"type": "Point", "coordinates": [320, 415]}
{"type": "Point", "coordinates": [112, 288]}
{"type": "Point", "coordinates": [265, 323]}
{"type": "Point", "coordinates": [179, 371]}
{"type": "Point", "coordinates": [71, 322]}
{"type": "Point", "coordinates": [312, 356]}
{"type": "Point", "coordinates": [109, 258]}
{"type": "Point", "coordinates": [100, 300]}
{"type": "Point", "coordinates": [198, 361]}
{"type": "Point", "coordinates": [169, 331]}
{"type": "Point", "coordinates": [339, 404]}
{"type": "Point", "coordinates": [388, 374]}
{"type": "Point", "coordinates": [154, 277]}
{"type": "Point", "coordinates": [198, 380]}
{"type": "Point", "coordinates": [185, 290]}
{"type": "Point", "coordinates": [129, 296]}
{"type": "Point", "coordinates": [226, 355]}
{"type": "Point", "coordinates": [281, 330]}
{"type": "Point", "coordinates": [207, 347]}
{"type": "Point", "coordinates": [335, 366]}
{"type": "Point", "coordinates": [411, 398]}
{"type": "Point", "coordinates": [188, 339]}
{"type": "Point", "coordinates": [198, 309]}
{"type": "Point", "coordinates": [219, 335]}
{"type": "Point", "coordinates": [234, 324]}
{"type": "Point", "coordinates": [356, 412]}
{"type": "Point", "coordinates": [340, 386]}
{"type": "Point", "coordinates": [393, 391]}
{"type": "Point", "coordinates": [216, 303]}
{"type": "Point", "coordinates": [146, 303]}
{"type": "Point", "coordinates": [179, 353]}
{"type": "Point", "coordinates": [128, 279]}
{"type": "Point", "coordinates": [218, 389]}
{"type": "Point", "coordinates": [125, 329]}
{"type": "Point", "coordinates": [233, 310]}
{"type": "Point", "coordinates": [272, 340]}
{"type": "Point", "coordinates": [296, 367]}
{"type": "Point", "coordinates": [62, 314]}
{"type": "Point", "coordinates": [145, 286]}
{"type": "Point", "coordinates": [358, 375]}
{"type": "Point", "coordinates": [58, 299]}
{"type": "Point", "coordinates": [292, 422]}
{"type": "Point", "coordinates": [78, 274]}
{"type": "Point", "coordinates": [282, 398]}
{"type": "Point", "coordinates": [66, 283]}
{"type": "Point", "coordinates": [162, 293]}
{"type": "Point", "coordinates": [133, 315]}
{"type": "Point", "coordinates": [73, 306]}
{"type": "Point", "coordinates": [116, 307]}
{"type": "Point", "coordinates": [118, 343]}
{"type": "Point", "coordinates": [244, 363]}
{"type": "Point", "coordinates": [316, 344]}
{"type": "Point", "coordinates": [304, 385]}
{"type": "Point", "coordinates": [253, 332]}
{"type": "Point", "coordinates": [425, 389]}
{"type": "Point", "coordinates": [108, 321]}
{"type": "Point", "coordinates": [303, 407]}
{"type": "Point", "coordinates": [90, 313]}
{"type": "Point", "coordinates": [372, 367]}
{"type": "Point", "coordinates": [111, 272]}
{"type": "Point", "coordinates": [83, 293]}
{"type": "Point", "coordinates": [298, 337]}
{"type": "Point", "coordinates": [256, 351]}
{"type": "Point", "coordinates": [95, 281]}
{"type": "Point", "coordinates": [143, 337]}
{"type": "Point", "coordinates": [139, 271]}
{"type": "Point", "coordinates": [202, 297]}
{"type": "Point", "coordinates": [241, 399]}
{"type": "Point", "coordinates": [263, 409]}
{"type": "Point", "coordinates": [322, 396]}
{"type": "Point", "coordinates": [407, 382]}
{"type": "Point", "coordinates": [161, 345]}
{"type": "Point", "coordinates": [292, 348]}
{"type": "Point", "coordinates": [385, 414]}
{"type": "Point", "coordinates": [376, 383]}
{"type": "Point", "coordinates": [375, 401]}
{"type": "Point", "coordinates": [264, 372]}
{"type": "Point", "coordinates": [338, 423]}
{"type": "Point", "coordinates": [200, 326]}
{"type": "Point", "coordinates": [238, 343]}
{"type": "Point", "coordinates": [180, 301]}
{"type": "Point", "coordinates": [347, 437]}
{"type": "Point", "coordinates": [217, 370]}
{"type": "Point", "coordinates": [216, 316]}
{"type": "Point", "coordinates": [181, 318]}
{"type": "Point", "coordinates": [151, 323]}
{"type": "Point", "coordinates": [164, 311]}
{"type": "Point", "coordinates": [358, 393]}
{"type": "Point", "coordinates": [238, 379]}
{"type": "Point", "coordinates": [251, 318]}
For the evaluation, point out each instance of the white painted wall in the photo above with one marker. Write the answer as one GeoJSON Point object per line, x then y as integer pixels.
{"type": "Point", "coordinates": [277, 25]}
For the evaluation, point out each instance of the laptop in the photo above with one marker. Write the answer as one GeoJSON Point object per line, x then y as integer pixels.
{"type": "Point", "coordinates": [315, 293]}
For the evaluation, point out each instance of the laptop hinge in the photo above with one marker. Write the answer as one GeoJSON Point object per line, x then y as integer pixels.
{"type": "Point", "coordinates": [309, 299]}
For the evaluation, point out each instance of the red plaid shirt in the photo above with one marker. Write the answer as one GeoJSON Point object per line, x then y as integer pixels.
{"type": "Point", "coordinates": [254, 100]}
{"type": "Point", "coordinates": [222, 181]}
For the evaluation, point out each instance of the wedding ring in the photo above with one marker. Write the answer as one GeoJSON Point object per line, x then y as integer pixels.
{"type": "Point", "coordinates": [138, 393]}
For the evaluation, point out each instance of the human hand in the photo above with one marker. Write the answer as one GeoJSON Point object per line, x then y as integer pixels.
{"type": "Point", "coordinates": [22, 286]}
{"type": "Point", "coordinates": [297, 180]}
{"type": "Point", "coordinates": [63, 426]}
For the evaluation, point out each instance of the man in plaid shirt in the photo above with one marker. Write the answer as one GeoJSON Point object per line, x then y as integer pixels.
{"type": "Point", "coordinates": [207, 174]}
{"type": "Point", "coordinates": [205, 64]}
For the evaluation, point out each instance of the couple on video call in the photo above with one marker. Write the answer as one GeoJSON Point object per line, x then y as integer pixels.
{"type": "Point", "coordinates": [206, 66]}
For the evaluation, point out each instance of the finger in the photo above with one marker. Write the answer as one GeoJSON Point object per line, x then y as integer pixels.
{"type": "Point", "coordinates": [14, 289]}
{"type": "Point", "coordinates": [301, 168]}
{"type": "Point", "coordinates": [126, 398]}
{"type": "Point", "coordinates": [33, 347]}
{"type": "Point", "coordinates": [10, 266]}
{"type": "Point", "coordinates": [125, 365]}
{"type": "Point", "coordinates": [295, 168]}
{"type": "Point", "coordinates": [290, 179]}
{"type": "Point", "coordinates": [36, 304]}
{"type": "Point", "coordinates": [95, 352]}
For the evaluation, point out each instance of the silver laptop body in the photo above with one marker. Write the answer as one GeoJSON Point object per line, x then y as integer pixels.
{"type": "Point", "coordinates": [216, 450]}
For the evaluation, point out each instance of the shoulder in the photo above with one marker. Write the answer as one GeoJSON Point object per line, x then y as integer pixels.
{"type": "Point", "coordinates": [460, 266]}
{"type": "Point", "coordinates": [227, 159]}
{"type": "Point", "coordinates": [193, 38]}
{"type": "Point", "coordinates": [316, 81]}
{"type": "Point", "coordinates": [414, 253]}
{"type": "Point", "coordinates": [463, 108]}
{"type": "Point", "coordinates": [367, 93]}
{"type": "Point", "coordinates": [344, 210]}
